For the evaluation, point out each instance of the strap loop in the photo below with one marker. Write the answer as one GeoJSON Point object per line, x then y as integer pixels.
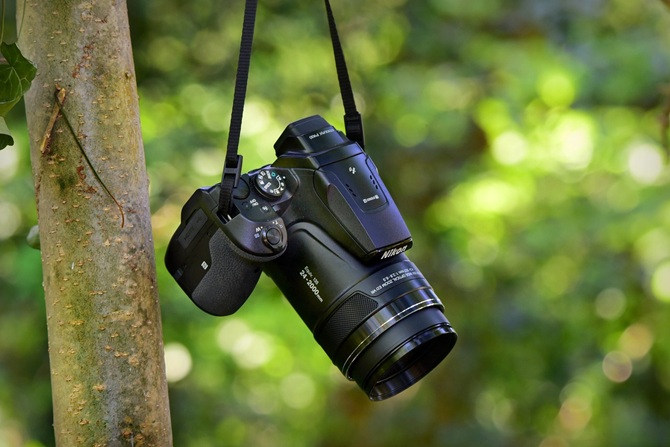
{"type": "Point", "coordinates": [353, 126]}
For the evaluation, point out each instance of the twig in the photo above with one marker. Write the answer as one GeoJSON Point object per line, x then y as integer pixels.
{"type": "Point", "coordinates": [23, 16]}
{"type": "Point", "coordinates": [45, 146]}
{"type": "Point", "coordinates": [60, 98]}
{"type": "Point", "coordinates": [2, 26]}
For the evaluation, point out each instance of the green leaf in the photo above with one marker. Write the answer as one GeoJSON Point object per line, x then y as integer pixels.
{"type": "Point", "coordinates": [16, 76]}
{"type": "Point", "coordinates": [33, 238]}
{"type": "Point", "coordinates": [5, 137]}
{"type": "Point", "coordinates": [6, 140]}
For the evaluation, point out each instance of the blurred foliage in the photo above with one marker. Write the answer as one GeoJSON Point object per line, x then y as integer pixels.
{"type": "Point", "coordinates": [522, 142]}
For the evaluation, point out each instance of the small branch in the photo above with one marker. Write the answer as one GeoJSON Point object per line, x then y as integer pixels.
{"type": "Point", "coordinates": [59, 111]}
{"type": "Point", "coordinates": [45, 146]}
{"type": "Point", "coordinates": [23, 16]}
{"type": "Point", "coordinates": [2, 26]}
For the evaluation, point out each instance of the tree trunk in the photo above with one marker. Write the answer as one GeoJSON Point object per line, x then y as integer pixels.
{"type": "Point", "coordinates": [103, 316]}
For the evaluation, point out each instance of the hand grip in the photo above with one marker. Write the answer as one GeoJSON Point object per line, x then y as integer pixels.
{"type": "Point", "coordinates": [229, 280]}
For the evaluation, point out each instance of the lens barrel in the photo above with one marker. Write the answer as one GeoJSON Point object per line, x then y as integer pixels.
{"type": "Point", "coordinates": [409, 362]}
{"type": "Point", "coordinates": [382, 325]}
{"type": "Point", "coordinates": [392, 347]}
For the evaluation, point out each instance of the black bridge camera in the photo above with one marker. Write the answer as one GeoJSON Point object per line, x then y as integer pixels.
{"type": "Point", "coordinates": [320, 222]}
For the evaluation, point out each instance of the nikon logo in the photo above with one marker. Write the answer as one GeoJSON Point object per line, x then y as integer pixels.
{"type": "Point", "coordinates": [394, 251]}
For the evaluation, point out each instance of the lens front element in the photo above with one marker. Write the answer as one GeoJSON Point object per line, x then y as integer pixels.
{"type": "Point", "coordinates": [410, 362]}
{"type": "Point", "coordinates": [391, 341]}
{"type": "Point", "coordinates": [393, 354]}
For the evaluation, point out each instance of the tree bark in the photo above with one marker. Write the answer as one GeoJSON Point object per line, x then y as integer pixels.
{"type": "Point", "coordinates": [103, 315]}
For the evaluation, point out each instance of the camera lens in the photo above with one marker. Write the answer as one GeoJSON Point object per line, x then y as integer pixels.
{"type": "Point", "coordinates": [403, 356]}
{"type": "Point", "coordinates": [395, 346]}
{"type": "Point", "coordinates": [409, 362]}
{"type": "Point", "coordinates": [381, 324]}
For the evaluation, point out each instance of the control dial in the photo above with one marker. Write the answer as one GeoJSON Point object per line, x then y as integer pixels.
{"type": "Point", "coordinates": [270, 183]}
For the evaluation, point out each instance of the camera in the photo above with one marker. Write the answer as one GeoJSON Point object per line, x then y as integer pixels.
{"type": "Point", "coordinates": [321, 224]}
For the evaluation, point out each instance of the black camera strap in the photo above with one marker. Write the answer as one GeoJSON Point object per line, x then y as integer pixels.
{"type": "Point", "coordinates": [232, 167]}
{"type": "Point", "coordinates": [353, 123]}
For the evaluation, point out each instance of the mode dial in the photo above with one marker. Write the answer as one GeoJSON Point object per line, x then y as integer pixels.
{"type": "Point", "coordinates": [270, 183]}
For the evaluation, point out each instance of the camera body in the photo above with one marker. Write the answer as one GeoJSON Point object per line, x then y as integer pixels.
{"type": "Point", "coordinates": [319, 177]}
{"type": "Point", "coordinates": [320, 222]}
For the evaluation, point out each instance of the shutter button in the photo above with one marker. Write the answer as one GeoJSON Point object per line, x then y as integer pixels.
{"type": "Point", "coordinates": [272, 238]}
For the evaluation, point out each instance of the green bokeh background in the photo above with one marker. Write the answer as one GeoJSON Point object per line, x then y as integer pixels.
{"type": "Point", "coordinates": [521, 141]}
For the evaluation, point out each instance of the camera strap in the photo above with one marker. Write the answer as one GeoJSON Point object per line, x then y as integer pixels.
{"type": "Point", "coordinates": [353, 123]}
{"type": "Point", "coordinates": [232, 167]}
